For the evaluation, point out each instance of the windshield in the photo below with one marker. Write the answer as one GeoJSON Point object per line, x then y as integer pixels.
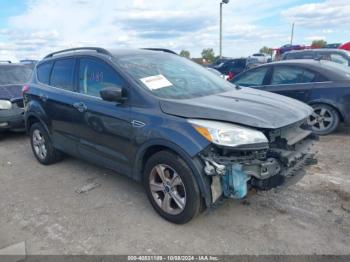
{"type": "Point", "coordinates": [14, 74]}
{"type": "Point", "coordinates": [171, 76]}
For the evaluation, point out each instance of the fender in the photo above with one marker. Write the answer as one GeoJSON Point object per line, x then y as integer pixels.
{"type": "Point", "coordinates": [34, 109]}
{"type": "Point", "coordinates": [194, 163]}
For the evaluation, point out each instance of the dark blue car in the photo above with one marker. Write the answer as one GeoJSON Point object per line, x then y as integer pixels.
{"type": "Point", "coordinates": [322, 84]}
{"type": "Point", "coordinates": [12, 78]}
{"type": "Point", "coordinates": [188, 135]}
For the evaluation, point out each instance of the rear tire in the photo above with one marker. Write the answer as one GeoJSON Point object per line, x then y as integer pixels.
{"type": "Point", "coordinates": [171, 187]}
{"type": "Point", "coordinates": [42, 147]}
{"type": "Point", "coordinates": [324, 120]}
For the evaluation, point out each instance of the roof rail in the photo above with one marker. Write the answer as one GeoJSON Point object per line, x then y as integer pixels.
{"type": "Point", "coordinates": [97, 49]}
{"type": "Point", "coordinates": [161, 50]}
{"type": "Point", "coordinates": [6, 61]}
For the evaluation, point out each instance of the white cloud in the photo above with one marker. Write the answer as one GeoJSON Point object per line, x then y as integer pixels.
{"type": "Point", "coordinates": [49, 25]}
{"type": "Point", "coordinates": [320, 15]}
{"type": "Point", "coordinates": [315, 37]}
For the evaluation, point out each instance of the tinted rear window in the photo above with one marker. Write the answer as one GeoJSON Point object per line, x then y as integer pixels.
{"type": "Point", "coordinates": [63, 73]}
{"type": "Point", "coordinates": [43, 72]}
{"type": "Point", "coordinates": [14, 74]}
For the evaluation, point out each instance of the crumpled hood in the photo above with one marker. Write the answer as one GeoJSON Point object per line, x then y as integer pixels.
{"type": "Point", "coordinates": [244, 106]}
{"type": "Point", "coordinates": [10, 92]}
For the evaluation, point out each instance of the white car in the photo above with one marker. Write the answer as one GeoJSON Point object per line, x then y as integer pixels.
{"type": "Point", "coordinates": [262, 58]}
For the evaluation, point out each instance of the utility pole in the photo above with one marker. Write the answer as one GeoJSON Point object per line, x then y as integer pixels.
{"type": "Point", "coordinates": [220, 47]}
{"type": "Point", "coordinates": [292, 35]}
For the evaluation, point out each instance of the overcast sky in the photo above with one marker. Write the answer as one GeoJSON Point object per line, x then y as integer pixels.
{"type": "Point", "coordinates": [32, 28]}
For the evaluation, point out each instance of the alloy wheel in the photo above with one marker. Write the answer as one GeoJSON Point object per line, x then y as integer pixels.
{"type": "Point", "coordinates": [321, 119]}
{"type": "Point", "coordinates": [168, 189]}
{"type": "Point", "coordinates": [39, 144]}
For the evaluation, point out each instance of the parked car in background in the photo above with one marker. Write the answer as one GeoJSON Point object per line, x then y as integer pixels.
{"type": "Point", "coordinates": [335, 55]}
{"type": "Point", "coordinates": [191, 137]}
{"type": "Point", "coordinates": [262, 58]}
{"type": "Point", "coordinates": [12, 78]}
{"type": "Point", "coordinates": [334, 45]}
{"type": "Point", "coordinates": [252, 62]}
{"type": "Point", "coordinates": [288, 47]}
{"type": "Point", "coordinates": [29, 61]}
{"type": "Point", "coordinates": [322, 84]}
{"type": "Point", "coordinates": [219, 61]}
{"type": "Point", "coordinates": [232, 67]}
{"type": "Point", "coordinates": [345, 46]}
{"type": "Point", "coordinates": [216, 72]}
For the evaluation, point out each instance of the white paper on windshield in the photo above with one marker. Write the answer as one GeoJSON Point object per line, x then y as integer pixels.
{"type": "Point", "coordinates": [156, 82]}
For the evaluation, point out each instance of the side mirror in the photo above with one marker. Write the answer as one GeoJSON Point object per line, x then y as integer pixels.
{"type": "Point", "coordinates": [112, 94]}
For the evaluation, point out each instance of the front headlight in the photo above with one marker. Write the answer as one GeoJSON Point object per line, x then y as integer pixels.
{"type": "Point", "coordinates": [226, 134]}
{"type": "Point", "coordinates": [5, 104]}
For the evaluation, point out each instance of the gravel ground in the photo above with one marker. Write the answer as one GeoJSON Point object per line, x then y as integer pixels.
{"type": "Point", "coordinates": [75, 208]}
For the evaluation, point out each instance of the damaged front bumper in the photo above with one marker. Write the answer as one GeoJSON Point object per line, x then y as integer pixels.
{"type": "Point", "coordinates": [234, 172]}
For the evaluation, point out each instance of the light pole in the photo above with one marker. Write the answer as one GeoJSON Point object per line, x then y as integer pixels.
{"type": "Point", "coordinates": [292, 34]}
{"type": "Point", "coordinates": [221, 3]}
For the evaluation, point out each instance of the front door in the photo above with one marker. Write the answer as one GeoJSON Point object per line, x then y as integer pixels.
{"type": "Point", "coordinates": [107, 135]}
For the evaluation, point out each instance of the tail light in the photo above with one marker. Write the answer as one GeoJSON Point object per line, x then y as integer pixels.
{"type": "Point", "coordinates": [25, 89]}
{"type": "Point", "coordinates": [231, 75]}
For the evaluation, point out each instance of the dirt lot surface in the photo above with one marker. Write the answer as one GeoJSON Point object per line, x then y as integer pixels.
{"type": "Point", "coordinates": [75, 208]}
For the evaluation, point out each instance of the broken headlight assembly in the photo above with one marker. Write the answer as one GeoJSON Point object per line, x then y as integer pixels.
{"type": "Point", "coordinates": [241, 158]}
{"type": "Point", "coordinates": [5, 105]}
{"type": "Point", "coordinates": [230, 135]}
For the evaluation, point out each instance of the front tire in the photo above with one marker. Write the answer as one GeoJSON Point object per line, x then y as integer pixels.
{"type": "Point", "coordinates": [42, 147]}
{"type": "Point", "coordinates": [324, 120]}
{"type": "Point", "coordinates": [171, 187]}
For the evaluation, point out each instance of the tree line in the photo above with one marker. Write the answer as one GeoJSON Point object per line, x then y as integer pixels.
{"type": "Point", "coordinates": [209, 55]}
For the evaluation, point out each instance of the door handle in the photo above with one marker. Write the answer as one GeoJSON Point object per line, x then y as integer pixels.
{"type": "Point", "coordinates": [43, 97]}
{"type": "Point", "coordinates": [80, 106]}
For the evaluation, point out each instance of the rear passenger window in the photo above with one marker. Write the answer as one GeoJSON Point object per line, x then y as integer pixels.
{"type": "Point", "coordinates": [63, 74]}
{"type": "Point", "coordinates": [43, 72]}
{"type": "Point", "coordinates": [95, 75]}
{"type": "Point", "coordinates": [283, 75]}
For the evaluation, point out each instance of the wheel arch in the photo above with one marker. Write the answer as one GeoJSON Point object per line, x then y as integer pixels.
{"type": "Point", "coordinates": [33, 118]}
{"type": "Point", "coordinates": [35, 113]}
{"type": "Point", "coordinates": [195, 164]}
{"type": "Point", "coordinates": [331, 104]}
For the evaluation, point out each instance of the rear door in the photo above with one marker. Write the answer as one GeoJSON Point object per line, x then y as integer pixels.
{"type": "Point", "coordinates": [57, 95]}
{"type": "Point", "coordinates": [291, 81]}
{"type": "Point", "coordinates": [107, 128]}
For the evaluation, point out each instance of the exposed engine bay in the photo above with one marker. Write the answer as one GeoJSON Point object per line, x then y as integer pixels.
{"type": "Point", "coordinates": [234, 171]}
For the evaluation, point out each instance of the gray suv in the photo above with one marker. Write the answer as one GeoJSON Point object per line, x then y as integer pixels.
{"type": "Point", "coordinates": [190, 136]}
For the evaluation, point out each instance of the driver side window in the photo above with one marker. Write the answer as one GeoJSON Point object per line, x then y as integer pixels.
{"type": "Point", "coordinates": [95, 75]}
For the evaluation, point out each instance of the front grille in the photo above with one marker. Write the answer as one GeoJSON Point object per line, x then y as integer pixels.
{"type": "Point", "coordinates": [287, 137]}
